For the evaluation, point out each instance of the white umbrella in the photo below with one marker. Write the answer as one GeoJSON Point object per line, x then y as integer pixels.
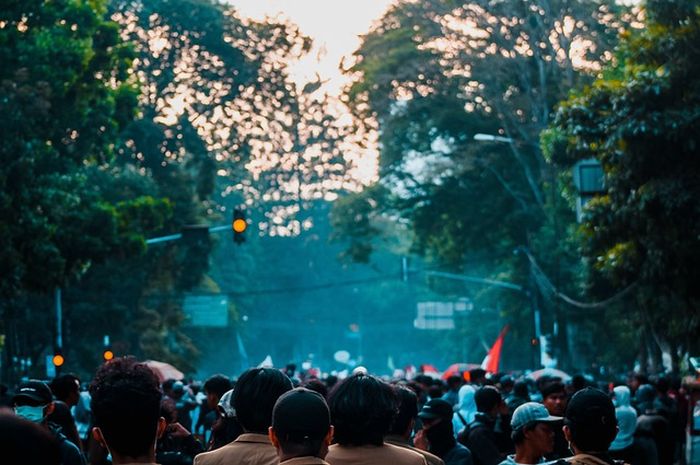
{"type": "Point", "coordinates": [164, 371]}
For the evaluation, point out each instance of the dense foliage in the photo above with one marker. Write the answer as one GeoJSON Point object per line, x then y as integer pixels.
{"type": "Point", "coordinates": [641, 121]}
{"type": "Point", "coordinates": [431, 75]}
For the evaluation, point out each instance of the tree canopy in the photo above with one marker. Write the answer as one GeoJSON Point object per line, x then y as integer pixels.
{"type": "Point", "coordinates": [640, 120]}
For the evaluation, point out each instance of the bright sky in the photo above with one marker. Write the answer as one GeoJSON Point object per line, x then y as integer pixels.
{"type": "Point", "coordinates": [334, 25]}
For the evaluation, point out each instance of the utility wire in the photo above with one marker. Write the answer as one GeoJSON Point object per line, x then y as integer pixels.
{"type": "Point", "coordinates": [545, 284]}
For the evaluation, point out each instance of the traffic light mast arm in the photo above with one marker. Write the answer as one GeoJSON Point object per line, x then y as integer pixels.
{"type": "Point", "coordinates": [176, 237]}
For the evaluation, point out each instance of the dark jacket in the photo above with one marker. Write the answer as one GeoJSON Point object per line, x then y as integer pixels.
{"type": "Point", "coordinates": [70, 454]}
{"type": "Point", "coordinates": [480, 439]}
{"type": "Point", "coordinates": [458, 455]}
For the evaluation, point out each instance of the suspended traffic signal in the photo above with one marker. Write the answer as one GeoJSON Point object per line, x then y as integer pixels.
{"type": "Point", "coordinates": [239, 225]}
{"type": "Point", "coordinates": [107, 353]}
{"type": "Point", "coordinates": [58, 359]}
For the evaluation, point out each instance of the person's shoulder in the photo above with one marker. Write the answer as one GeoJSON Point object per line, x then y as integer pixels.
{"type": "Point", "coordinates": [235, 450]}
{"type": "Point", "coordinates": [216, 455]}
{"type": "Point", "coordinates": [461, 450]}
{"type": "Point", "coordinates": [405, 455]}
{"type": "Point", "coordinates": [509, 460]}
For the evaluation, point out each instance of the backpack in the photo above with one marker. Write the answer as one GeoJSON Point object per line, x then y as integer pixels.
{"type": "Point", "coordinates": [463, 436]}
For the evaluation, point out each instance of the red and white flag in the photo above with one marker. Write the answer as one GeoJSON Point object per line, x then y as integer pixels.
{"type": "Point", "coordinates": [493, 358]}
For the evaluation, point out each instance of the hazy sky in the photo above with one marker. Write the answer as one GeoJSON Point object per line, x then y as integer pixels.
{"type": "Point", "coordinates": [335, 26]}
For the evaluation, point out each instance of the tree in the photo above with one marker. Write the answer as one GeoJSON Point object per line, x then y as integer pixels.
{"type": "Point", "coordinates": [432, 74]}
{"type": "Point", "coordinates": [66, 94]}
{"type": "Point", "coordinates": [640, 119]}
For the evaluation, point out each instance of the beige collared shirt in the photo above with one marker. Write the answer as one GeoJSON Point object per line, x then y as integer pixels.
{"type": "Point", "coordinates": [401, 442]}
{"type": "Point", "coordinates": [247, 449]}
{"type": "Point", "coordinates": [373, 455]}
{"type": "Point", "coordinates": [307, 460]}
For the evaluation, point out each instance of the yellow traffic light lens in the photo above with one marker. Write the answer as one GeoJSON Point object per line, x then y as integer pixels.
{"type": "Point", "coordinates": [58, 360]}
{"type": "Point", "coordinates": [239, 225]}
{"type": "Point", "coordinates": [108, 355]}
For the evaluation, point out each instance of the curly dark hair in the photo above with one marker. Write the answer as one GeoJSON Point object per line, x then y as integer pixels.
{"type": "Point", "coordinates": [363, 408]}
{"type": "Point", "coordinates": [125, 404]}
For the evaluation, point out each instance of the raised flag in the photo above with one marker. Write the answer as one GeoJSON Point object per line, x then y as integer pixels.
{"type": "Point", "coordinates": [493, 357]}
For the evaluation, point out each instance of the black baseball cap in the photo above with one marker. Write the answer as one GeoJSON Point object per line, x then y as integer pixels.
{"type": "Point", "coordinates": [436, 408]}
{"type": "Point", "coordinates": [300, 415]}
{"type": "Point", "coordinates": [591, 409]}
{"type": "Point", "coordinates": [33, 392]}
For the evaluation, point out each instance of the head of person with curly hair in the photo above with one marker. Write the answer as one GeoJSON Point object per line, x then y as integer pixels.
{"type": "Point", "coordinates": [125, 405]}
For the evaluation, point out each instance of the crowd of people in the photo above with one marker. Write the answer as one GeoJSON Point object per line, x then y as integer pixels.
{"type": "Point", "coordinates": [269, 416]}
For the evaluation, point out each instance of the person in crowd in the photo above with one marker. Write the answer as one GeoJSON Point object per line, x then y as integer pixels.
{"type": "Point", "coordinates": [177, 445]}
{"type": "Point", "coordinates": [125, 405]}
{"type": "Point", "coordinates": [518, 396]}
{"type": "Point", "coordinates": [578, 382]}
{"type": "Point", "coordinates": [402, 427]}
{"type": "Point", "coordinates": [633, 450]}
{"type": "Point", "coordinates": [253, 399]}
{"type": "Point", "coordinates": [505, 386]}
{"type": "Point", "coordinates": [477, 376]}
{"type": "Point", "coordinates": [454, 383]}
{"type": "Point", "coordinates": [590, 426]}
{"type": "Point", "coordinates": [66, 391]}
{"type": "Point", "coordinates": [24, 442]}
{"type": "Point", "coordinates": [652, 424]}
{"type": "Point", "coordinates": [34, 402]}
{"type": "Point", "coordinates": [317, 385]}
{"type": "Point", "coordinates": [480, 437]}
{"type": "Point", "coordinates": [635, 381]}
{"type": "Point", "coordinates": [184, 404]}
{"type": "Point", "coordinates": [466, 409]}
{"type": "Point", "coordinates": [301, 429]}
{"type": "Point", "coordinates": [214, 388]}
{"type": "Point", "coordinates": [532, 433]}
{"type": "Point", "coordinates": [554, 399]}
{"type": "Point", "coordinates": [437, 435]}
{"type": "Point", "coordinates": [435, 391]}
{"type": "Point", "coordinates": [226, 428]}
{"type": "Point", "coordinates": [667, 406]}
{"type": "Point", "coordinates": [362, 410]}
{"type": "Point", "coordinates": [83, 417]}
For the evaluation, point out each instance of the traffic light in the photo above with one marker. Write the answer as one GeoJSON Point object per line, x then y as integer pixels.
{"type": "Point", "coordinates": [57, 358]}
{"type": "Point", "coordinates": [107, 353]}
{"type": "Point", "coordinates": [239, 225]}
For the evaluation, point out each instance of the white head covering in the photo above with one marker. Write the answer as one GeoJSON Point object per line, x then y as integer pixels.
{"type": "Point", "coordinates": [466, 407]}
{"type": "Point", "coordinates": [626, 418]}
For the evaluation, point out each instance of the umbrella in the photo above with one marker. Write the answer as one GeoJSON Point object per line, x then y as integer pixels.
{"type": "Point", "coordinates": [549, 372]}
{"type": "Point", "coordinates": [457, 368]}
{"type": "Point", "coordinates": [163, 370]}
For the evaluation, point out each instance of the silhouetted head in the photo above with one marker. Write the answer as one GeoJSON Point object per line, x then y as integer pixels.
{"type": "Point", "coordinates": [255, 395]}
{"type": "Point", "coordinates": [125, 401]}
{"type": "Point", "coordinates": [408, 410]}
{"type": "Point", "coordinates": [589, 422]}
{"type": "Point", "coordinates": [362, 410]}
{"type": "Point", "coordinates": [487, 398]}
